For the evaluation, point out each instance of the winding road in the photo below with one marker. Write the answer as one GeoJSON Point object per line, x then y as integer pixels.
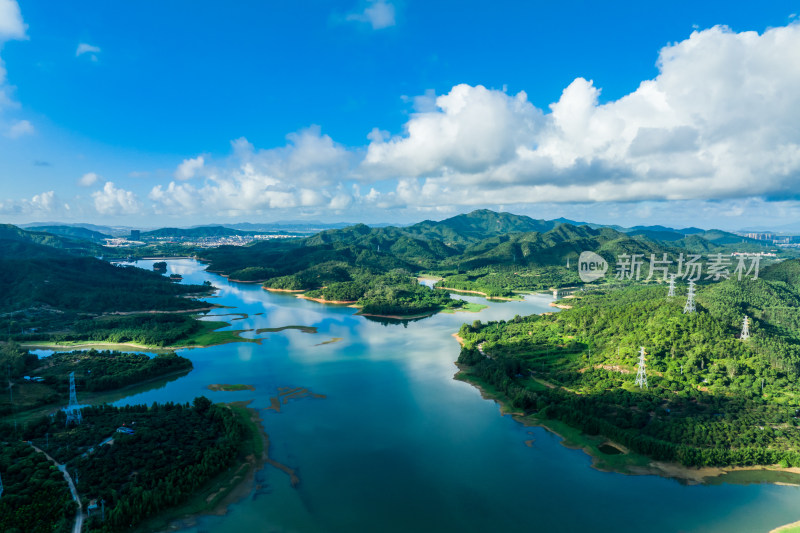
{"type": "Point", "coordinates": [79, 517]}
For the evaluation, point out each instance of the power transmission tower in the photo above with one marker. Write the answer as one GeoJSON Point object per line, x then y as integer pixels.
{"type": "Point", "coordinates": [745, 329]}
{"type": "Point", "coordinates": [689, 307]}
{"type": "Point", "coordinates": [641, 375]}
{"type": "Point", "coordinates": [671, 292]}
{"type": "Point", "coordinates": [73, 410]}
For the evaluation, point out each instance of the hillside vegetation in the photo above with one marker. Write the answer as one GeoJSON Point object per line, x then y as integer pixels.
{"type": "Point", "coordinates": [47, 290]}
{"type": "Point", "coordinates": [712, 398]}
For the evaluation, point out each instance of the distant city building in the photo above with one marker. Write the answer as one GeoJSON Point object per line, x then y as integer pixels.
{"type": "Point", "coordinates": [760, 236]}
{"type": "Point", "coordinates": [754, 254]}
{"type": "Point", "coordinates": [136, 235]}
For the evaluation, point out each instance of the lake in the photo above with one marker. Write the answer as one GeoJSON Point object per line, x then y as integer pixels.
{"type": "Point", "coordinates": [398, 445]}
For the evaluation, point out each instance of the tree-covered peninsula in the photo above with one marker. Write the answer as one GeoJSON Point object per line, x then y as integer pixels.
{"type": "Point", "coordinates": [38, 382]}
{"type": "Point", "coordinates": [712, 398]}
{"type": "Point", "coordinates": [129, 463]}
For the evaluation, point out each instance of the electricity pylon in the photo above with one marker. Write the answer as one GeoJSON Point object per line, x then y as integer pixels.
{"type": "Point", "coordinates": [745, 329]}
{"type": "Point", "coordinates": [641, 375]}
{"type": "Point", "coordinates": [689, 307]}
{"type": "Point", "coordinates": [73, 410]}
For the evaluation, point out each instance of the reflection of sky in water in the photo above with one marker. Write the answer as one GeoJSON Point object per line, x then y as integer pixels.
{"type": "Point", "coordinates": [398, 445]}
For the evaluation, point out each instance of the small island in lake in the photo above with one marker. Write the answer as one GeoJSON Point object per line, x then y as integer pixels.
{"type": "Point", "coordinates": [216, 387]}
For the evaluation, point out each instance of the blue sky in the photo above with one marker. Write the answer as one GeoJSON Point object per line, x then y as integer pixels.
{"type": "Point", "coordinates": [179, 113]}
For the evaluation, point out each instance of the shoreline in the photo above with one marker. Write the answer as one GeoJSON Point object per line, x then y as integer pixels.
{"type": "Point", "coordinates": [89, 345]}
{"type": "Point", "coordinates": [270, 289]}
{"type": "Point", "coordinates": [157, 312]}
{"type": "Point", "coordinates": [794, 526]}
{"type": "Point", "coordinates": [324, 301]}
{"type": "Point", "coordinates": [227, 488]}
{"type": "Point", "coordinates": [113, 346]}
{"type": "Point", "coordinates": [479, 293]}
{"type": "Point", "coordinates": [625, 463]}
{"type": "Point", "coordinates": [397, 317]}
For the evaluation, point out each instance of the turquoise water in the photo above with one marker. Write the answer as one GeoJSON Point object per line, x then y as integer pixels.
{"type": "Point", "coordinates": [397, 445]}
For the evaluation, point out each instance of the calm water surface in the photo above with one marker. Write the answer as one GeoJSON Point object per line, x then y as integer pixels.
{"type": "Point", "coordinates": [397, 445]}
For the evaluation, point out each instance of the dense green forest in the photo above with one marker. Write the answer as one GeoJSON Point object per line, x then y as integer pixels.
{"type": "Point", "coordinates": [105, 370]}
{"type": "Point", "coordinates": [73, 243]}
{"type": "Point", "coordinates": [172, 451]}
{"type": "Point", "coordinates": [492, 253]}
{"type": "Point", "coordinates": [147, 329]}
{"type": "Point", "coordinates": [712, 398]}
{"type": "Point", "coordinates": [47, 291]}
{"type": "Point", "coordinates": [36, 499]}
{"type": "Point", "coordinates": [505, 282]}
{"type": "Point", "coordinates": [393, 293]}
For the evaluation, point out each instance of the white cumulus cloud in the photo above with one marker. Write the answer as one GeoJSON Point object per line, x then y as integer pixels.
{"type": "Point", "coordinates": [304, 173]}
{"type": "Point", "coordinates": [88, 179]}
{"type": "Point", "coordinates": [719, 121]}
{"type": "Point", "coordinates": [378, 13]}
{"type": "Point", "coordinates": [12, 27]}
{"type": "Point", "coordinates": [111, 200]}
{"type": "Point", "coordinates": [19, 129]}
{"type": "Point", "coordinates": [11, 24]}
{"type": "Point", "coordinates": [45, 203]}
{"type": "Point", "coordinates": [189, 168]}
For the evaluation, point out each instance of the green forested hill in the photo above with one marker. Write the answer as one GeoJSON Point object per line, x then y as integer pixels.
{"type": "Point", "coordinates": [383, 249]}
{"type": "Point", "coordinates": [195, 233]}
{"type": "Point", "coordinates": [46, 288]}
{"type": "Point", "coordinates": [478, 225]}
{"type": "Point", "coordinates": [712, 399]}
{"type": "Point", "coordinates": [484, 251]}
{"type": "Point", "coordinates": [554, 247]}
{"type": "Point", "coordinates": [786, 271]}
{"type": "Point", "coordinates": [10, 233]}
{"type": "Point", "coordinates": [73, 232]}
{"type": "Point", "coordinates": [36, 275]}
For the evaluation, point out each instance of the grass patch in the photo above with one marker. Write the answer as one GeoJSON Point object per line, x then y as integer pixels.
{"type": "Point", "coordinates": [468, 307]}
{"type": "Point", "coordinates": [330, 341]}
{"type": "Point", "coordinates": [209, 336]}
{"type": "Point", "coordinates": [304, 329]}
{"type": "Point", "coordinates": [216, 387]}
